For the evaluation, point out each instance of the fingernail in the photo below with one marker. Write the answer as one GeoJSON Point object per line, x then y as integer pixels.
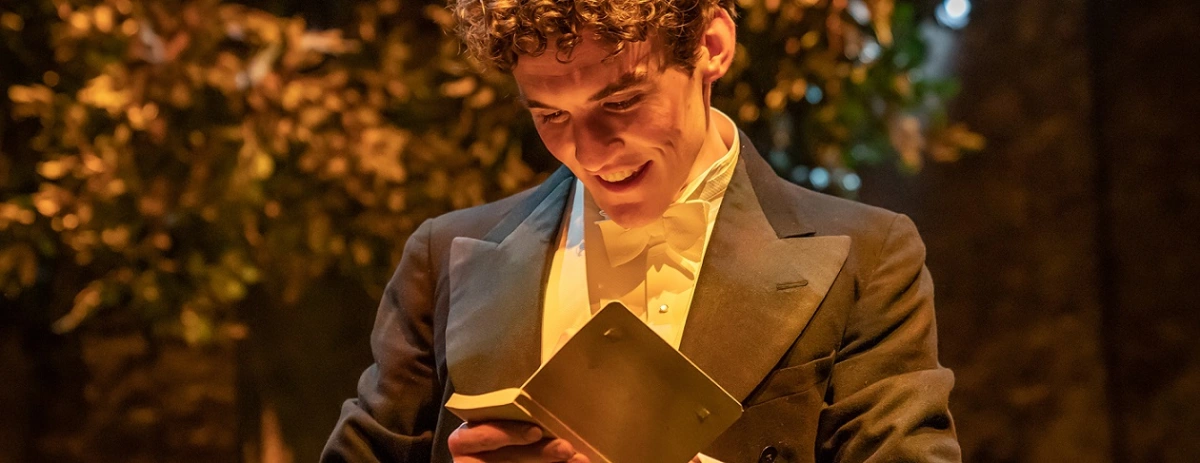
{"type": "Point", "coordinates": [533, 434]}
{"type": "Point", "coordinates": [563, 450]}
{"type": "Point", "coordinates": [577, 458]}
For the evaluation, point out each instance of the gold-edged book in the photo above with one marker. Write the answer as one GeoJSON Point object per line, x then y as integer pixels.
{"type": "Point", "coordinates": [618, 392]}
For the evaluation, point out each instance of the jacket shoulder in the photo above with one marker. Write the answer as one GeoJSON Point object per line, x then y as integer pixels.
{"type": "Point", "coordinates": [873, 230]}
{"type": "Point", "coordinates": [832, 215]}
{"type": "Point", "coordinates": [474, 222]}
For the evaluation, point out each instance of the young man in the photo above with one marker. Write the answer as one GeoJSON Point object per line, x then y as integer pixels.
{"type": "Point", "coordinates": [816, 312]}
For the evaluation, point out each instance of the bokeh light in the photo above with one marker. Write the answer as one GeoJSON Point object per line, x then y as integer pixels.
{"type": "Point", "coordinates": [955, 14]}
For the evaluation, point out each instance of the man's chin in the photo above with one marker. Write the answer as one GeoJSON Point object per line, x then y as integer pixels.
{"type": "Point", "coordinates": [632, 216]}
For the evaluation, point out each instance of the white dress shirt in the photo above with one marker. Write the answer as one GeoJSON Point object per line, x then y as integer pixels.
{"type": "Point", "coordinates": [656, 285]}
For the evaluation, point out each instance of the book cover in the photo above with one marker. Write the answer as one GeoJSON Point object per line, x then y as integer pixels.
{"type": "Point", "coordinates": [618, 392]}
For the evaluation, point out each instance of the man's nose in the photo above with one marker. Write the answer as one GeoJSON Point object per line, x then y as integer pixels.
{"type": "Point", "coordinates": [596, 143]}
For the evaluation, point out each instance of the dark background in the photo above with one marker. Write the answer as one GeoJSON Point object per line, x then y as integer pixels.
{"type": "Point", "coordinates": [1065, 257]}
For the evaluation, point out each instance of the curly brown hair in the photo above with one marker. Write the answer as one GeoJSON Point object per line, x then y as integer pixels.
{"type": "Point", "coordinates": [497, 32]}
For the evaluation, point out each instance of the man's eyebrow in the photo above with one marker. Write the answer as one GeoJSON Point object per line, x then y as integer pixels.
{"type": "Point", "coordinates": [627, 80]}
{"type": "Point", "coordinates": [532, 104]}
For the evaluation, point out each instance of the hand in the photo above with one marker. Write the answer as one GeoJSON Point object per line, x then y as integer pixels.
{"type": "Point", "coordinates": [508, 441]}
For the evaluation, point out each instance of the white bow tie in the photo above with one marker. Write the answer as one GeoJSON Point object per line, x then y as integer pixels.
{"type": "Point", "coordinates": [680, 226]}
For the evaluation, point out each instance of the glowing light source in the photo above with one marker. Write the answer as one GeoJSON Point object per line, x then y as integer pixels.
{"type": "Point", "coordinates": [814, 94]}
{"type": "Point", "coordinates": [778, 158]}
{"type": "Point", "coordinates": [954, 14]}
{"type": "Point", "coordinates": [851, 182]}
{"type": "Point", "coordinates": [859, 10]}
{"type": "Point", "coordinates": [800, 174]}
{"type": "Point", "coordinates": [819, 177]}
{"type": "Point", "coordinates": [870, 52]}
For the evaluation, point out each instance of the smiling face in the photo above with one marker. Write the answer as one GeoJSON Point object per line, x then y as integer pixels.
{"type": "Point", "coordinates": [631, 127]}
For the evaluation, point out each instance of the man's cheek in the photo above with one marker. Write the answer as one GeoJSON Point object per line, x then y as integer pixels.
{"type": "Point", "coordinates": [558, 146]}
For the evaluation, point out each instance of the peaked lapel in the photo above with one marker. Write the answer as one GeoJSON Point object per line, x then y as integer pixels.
{"type": "Point", "coordinates": [493, 328]}
{"type": "Point", "coordinates": [763, 276]}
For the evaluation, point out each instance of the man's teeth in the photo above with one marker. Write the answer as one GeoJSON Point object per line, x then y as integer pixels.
{"type": "Point", "coordinates": [618, 176]}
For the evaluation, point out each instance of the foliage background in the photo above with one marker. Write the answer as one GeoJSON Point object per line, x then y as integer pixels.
{"type": "Point", "coordinates": [173, 170]}
{"type": "Point", "coordinates": [185, 151]}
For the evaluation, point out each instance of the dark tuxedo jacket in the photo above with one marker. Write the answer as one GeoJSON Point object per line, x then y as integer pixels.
{"type": "Point", "coordinates": [815, 311]}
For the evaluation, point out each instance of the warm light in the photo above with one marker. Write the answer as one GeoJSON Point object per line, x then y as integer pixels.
{"type": "Point", "coordinates": [954, 14]}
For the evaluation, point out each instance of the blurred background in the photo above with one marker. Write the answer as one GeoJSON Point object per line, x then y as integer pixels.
{"type": "Point", "coordinates": [200, 201]}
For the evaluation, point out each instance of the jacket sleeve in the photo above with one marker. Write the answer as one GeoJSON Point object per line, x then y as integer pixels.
{"type": "Point", "coordinates": [888, 395]}
{"type": "Point", "coordinates": [392, 419]}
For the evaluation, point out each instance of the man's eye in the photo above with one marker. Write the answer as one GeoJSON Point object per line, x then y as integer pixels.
{"type": "Point", "coordinates": [623, 104]}
{"type": "Point", "coordinates": [554, 117]}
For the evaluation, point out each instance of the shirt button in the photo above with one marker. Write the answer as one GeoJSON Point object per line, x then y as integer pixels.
{"type": "Point", "coordinates": [662, 308]}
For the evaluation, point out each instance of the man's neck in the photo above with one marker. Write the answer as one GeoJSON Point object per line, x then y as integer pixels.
{"type": "Point", "coordinates": [718, 140]}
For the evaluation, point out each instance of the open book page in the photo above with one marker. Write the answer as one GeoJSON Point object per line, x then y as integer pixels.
{"type": "Point", "coordinates": [495, 405]}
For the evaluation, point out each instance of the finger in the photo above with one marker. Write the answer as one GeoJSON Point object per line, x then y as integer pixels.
{"type": "Point", "coordinates": [579, 458]}
{"type": "Point", "coordinates": [466, 459]}
{"type": "Point", "coordinates": [545, 451]}
{"type": "Point", "coordinates": [558, 450]}
{"type": "Point", "coordinates": [486, 436]}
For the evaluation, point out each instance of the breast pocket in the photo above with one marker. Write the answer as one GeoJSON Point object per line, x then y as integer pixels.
{"type": "Point", "coordinates": [792, 380]}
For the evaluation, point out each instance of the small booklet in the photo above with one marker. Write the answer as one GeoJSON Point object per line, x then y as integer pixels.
{"type": "Point", "coordinates": [618, 392]}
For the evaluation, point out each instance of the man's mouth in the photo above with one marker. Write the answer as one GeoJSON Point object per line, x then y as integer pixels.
{"type": "Point", "coordinates": [623, 176]}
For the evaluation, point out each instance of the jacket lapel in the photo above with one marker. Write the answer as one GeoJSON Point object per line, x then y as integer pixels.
{"type": "Point", "coordinates": [763, 276]}
{"type": "Point", "coordinates": [749, 307]}
{"type": "Point", "coordinates": [493, 328]}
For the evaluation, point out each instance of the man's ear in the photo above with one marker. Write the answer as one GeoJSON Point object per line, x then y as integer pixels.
{"type": "Point", "coordinates": [718, 43]}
